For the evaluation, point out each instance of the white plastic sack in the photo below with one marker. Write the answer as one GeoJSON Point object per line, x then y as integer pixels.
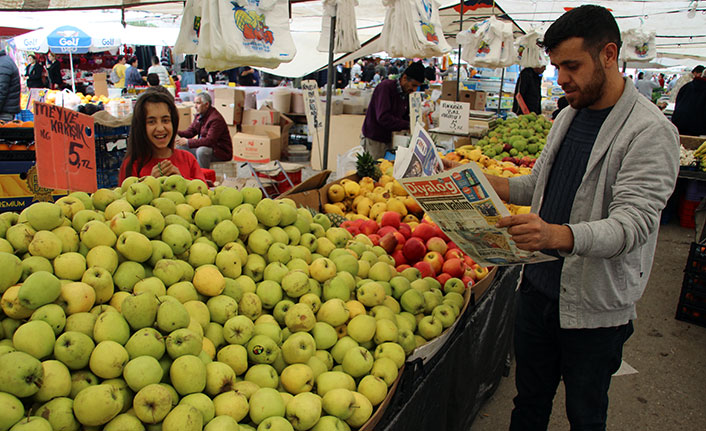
{"type": "Point", "coordinates": [638, 45]}
{"type": "Point", "coordinates": [413, 29]}
{"type": "Point", "coordinates": [244, 32]}
{"type": "Point", "coordinates": [346, 162]}
{"type": "Point", "coordinates": [528, 53]}
{"type": "Point", "coordinates": [68, 99]}
{"type": "Point", "coordinates": [188, 40]}
{"type": "Point", "coordinates": [346, 36]}
{"type": "Point", "coordinates": [488, 44]}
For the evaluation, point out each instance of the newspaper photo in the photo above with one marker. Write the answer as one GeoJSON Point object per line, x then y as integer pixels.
{"type": "Point", "coordinates": [464, 205]}
{"type": "Point", "coordinates": [419, 159]}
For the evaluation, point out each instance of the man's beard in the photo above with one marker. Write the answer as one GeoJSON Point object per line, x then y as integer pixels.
{"type": "Point", "coordinates": [592, 92]}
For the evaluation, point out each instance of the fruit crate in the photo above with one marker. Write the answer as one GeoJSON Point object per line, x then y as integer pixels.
{"type": "Point", "coordinates": [696, 263]}
{"type": "Point", "coordinates": [691, 314]}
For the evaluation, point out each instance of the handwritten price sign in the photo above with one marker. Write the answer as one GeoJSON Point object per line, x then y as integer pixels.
{"type": "Point", "coordinates": [66, 150]}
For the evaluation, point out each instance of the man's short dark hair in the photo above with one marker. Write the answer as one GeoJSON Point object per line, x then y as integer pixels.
{"type": "Point", "coordinates": [415, 71]}
{"type": "Point", "coordinates": [594, 24]}
{"type": "Point", "coordinates": [640, 75]}
{"type": "Point", "coordinates": [698, 69]}
{"type": "Point", "coordinates": [120, 57]}
{"type": "Point", "coordinates": [153, 79]}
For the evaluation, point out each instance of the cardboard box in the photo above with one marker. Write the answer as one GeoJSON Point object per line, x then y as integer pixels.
{"type": "Point", "coordinates": [100, 84]}
{"type": "Point", "coordinates": [477, 99]}
{"type": "Point", "coordinates": [255, 148]}
{"type": "Point", "coordinates": [229, 102]}
{"type": "Point", "coordinates": [15, 193]}
{"type": "Point", "coordinates": [285, 123]}
{"type": "Point", "coordinates": [691, 142]}
{"type": "Point", "coordinates": [186, 115]}
{"type": "Point", "coordinates": [306, 194]}
{"type": "Point", "coordinates": [255, 117]}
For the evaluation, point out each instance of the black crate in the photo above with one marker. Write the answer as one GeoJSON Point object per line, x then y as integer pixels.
{"type": "Point", "coordinates": [689, 314]}
{"type": "Point", "coordinates": [696, 264]}
{"type": "Point", "coordinates": [694, 282]}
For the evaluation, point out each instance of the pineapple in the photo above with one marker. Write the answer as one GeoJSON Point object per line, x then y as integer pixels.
{"type": "Point", "coordinates": [366, 166]}
{"type": "Point", "coordinates": [336, 219]}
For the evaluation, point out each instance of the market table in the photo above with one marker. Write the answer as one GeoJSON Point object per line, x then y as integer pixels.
{"type": "Point", "coordinates": [448, 392]}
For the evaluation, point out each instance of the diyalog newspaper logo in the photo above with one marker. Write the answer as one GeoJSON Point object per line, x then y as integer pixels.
{"type": "Point", "coordinates": [432, 188]}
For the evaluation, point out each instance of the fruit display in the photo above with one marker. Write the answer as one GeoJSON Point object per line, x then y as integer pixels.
{"type": "Point", "coordinates": [162, 304]}
{"type": "Point", "coordinates": [695, 157]}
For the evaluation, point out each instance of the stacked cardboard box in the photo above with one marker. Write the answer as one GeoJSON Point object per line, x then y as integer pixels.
{"type": "Point", "coordinates": [263, 136]}
{"type": "Point", "coordinates": [477, 99]}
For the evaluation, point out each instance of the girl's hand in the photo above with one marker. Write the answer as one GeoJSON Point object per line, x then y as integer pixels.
{"type": "Point", "coordinates": [169, 169]}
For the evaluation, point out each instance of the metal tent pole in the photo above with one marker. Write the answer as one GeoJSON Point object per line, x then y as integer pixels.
{"type": "Point", "coordinates": [329, 90]}
{"type": "Point", "coordinates": [458, 63]}
{"type": "Point", "coordinates": [500, 94]}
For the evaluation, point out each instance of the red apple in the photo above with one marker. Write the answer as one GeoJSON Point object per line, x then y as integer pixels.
{"type": "Point", "coordinates": [400, 238]}
{"type": "Point", "coordinates": [414, 249]}
{"type": "Point", "coordinates": [391, 218]}
{"type": "Point", "coordinates": [398, 255]}
{"type": "Point", "coordinates": [435, 259]}
{"type": "Point", "coordinates": [385, 230]}
{"type": "Point", "coordinates": [425, 269]}
{"type": "Point", "coordinates": [467, 281]}
{"type": "Point", "coordinates": [469, 272]}
{"type": "Point", "coordinates": [443, 278]}
{"type": "Point", "coordinates": [353, 230]}
{"type": "Point", "coordinates": [401, 268]}
{"type": "Point", "coordinates": [368, 227]}
{"type": "Point", "coordinates": [374, 238]}
{"type": "Point", "coordinates": [451, 244]}
{"type": "Point", "coordinates": [437, 244]}
{"type": "Point", "coordinates": [454, 267]}
{"type": "Point", "coordinates": [405, 230]}
{"type": "Point", "coordinates": [453, 253]}
{"type": "Point", "coordinates": [468, 261]}
{"type": "Point", "coordinates": [424, 231]}
{"type": "Point", "coordinates": [444, 237]}
{"type": "Point", "coordinates": [388, 242]}
{"type": "Point", "coordinates": [348, 223]}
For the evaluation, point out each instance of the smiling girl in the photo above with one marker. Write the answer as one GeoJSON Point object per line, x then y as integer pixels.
{"type": "Point", "coordinates": [150, 147]}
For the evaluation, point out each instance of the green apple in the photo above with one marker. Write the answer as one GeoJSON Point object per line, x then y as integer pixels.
{"type": "Point", "coordinates": [338, 236]}
{"type": "Point", "coordinates": [322, 220]}
{"type": "Point", "coordinates": [380, 271]}
{"type": "Point", "coordinates": [230, 197]}
{"type": "Point", "coordinates": [255, 267]}
{"type": "Point", "coordinates": [304, 411]}
{"type": "Point", "coordinates": [236, 356]}
{"type": "Point", "coordinates": [269, 329]}
{"type": "Point", "coordinates": [97, 405]}
{"type": "Point", "coordinates": [262, 349]}
{"type": "Point", "coordinates": [245, 220]}
{"type": "Point", "coordinates": [362, 411]}
{"type": "Point", "coordinates": [246, 388]}
{"type": "Point", "coordinates": [44, 216]}
{"type": "Point", "coordinates": [186, 212]}
{"type": "Point", "coordinates": [182, 342]}
{"type": "Point", "coordinates": [385, 331]}
{"type": "Point", "coordinates": [39, 289]}
{"type": "Point", "coordinates": [299, 317]}
{"type": "Point", "coordinates": [35, 337]}
{"type": "Point", "coordinates": [297, 378]}
{"type": "Point", "coordinates": [429, 327]}
{"type": "Point", "coordinates": [152, 285]}
{"type": "Point", "coordinates": [392, 351]}
{"type": "Point", "coordinates": [172, 315]}
{"type": "Point", "coordinates": [183, 291]}
{"type": "Point", "coordinates": [151, 221]}
{"type": "Point", "coordinates": [330, 423]}
{"type": "Point", "coordinates": [322, 269]}
{"type": "Point", "coordinates": [268, 212]}
{"type": "Point", "coordinates": [445, 314]}
{"type": "Point", "coordinates": [373, 388]}
{"type": "Point", "coordinates": [431, 300]}
{"type": "Point", "coordinates": [124, 221]}
{"type": "Point", "coordinates": [32, 264]}
{"type": "Point", "coordinates": [32, 423]}
{"type": "Point", "coordinates": [12, 270]}
{"type": "Point", "coordinates": [183, 418]}
{"type": "Point", "coordinates": [74, 349]}
{"type": "Point", "coordinates": [177, 237]}
{"type": "Point", "coordinates": [111, 326]}
{"type": "Point", "coordinates": [371, 294]}
{"type": "Point", "coordinates": [81, 380]}
{"type": "Point", "coordinates": [53, 314]}
{"type": "Point", "coordinates": [265, 403]}
{"type": "Point", "coordinates": [232, 404]}
{"type": "Point", "coordinates": [134, 246]}
{"type": "Point", "coordinates": [101, 281]}
{"type": "Point", "coordinates": [56, 381]}
{"type": "Point", "coordinates": [206, 218]}
{"type": "Point", "coordinates": [225, 232]}
{"type": "Point", "coordinates": [238, 330]}
{"type": "Point", "coordinates": [325, 246]}
{"type": "Point", "coordinates": [308, 241]}
{"type": "Point", "coordinates": [22, 374]}
{"type": "Point", "coordinates": [412, 301]}
{"type": "Point", "coordinates": [407, 340]}
{"type": "Point", "coordinates": [59, 413]}
{"type": "Point", "coordinates": [263, 375]}
{"type": "Point", "coordinates": [280, 310]}
{"type": "Point", "coordinates": [220, 378]}
{"type": "Point", "coordinates": [124, 421]}
{"type": "Point", "coordinates": [357, 362]}
{"type": "Point", "coordinates": [324, 335]}
{"type": "Point", "coordinates": [337, 287]}
{"type": "Point", "coordinates": [138, 194]}
{"type": "Point", "coordinates": [202, 403]}
{"type": "Point", "coordinates": [142, 371]}
{"type": "Point", "coordinates": [188, 374]}
{"type": "Point", "coordinates": [45, 244]}
{"type": "Point", "coordinates": [152, 403]}
{"type": "Point", "coordinates": [164, 205]}
{"type": "Point", "coordinates": [334, 312]}
{"type": "Point", "coordinates": [362, 328]}
{"type": "Point", "coordinates": [339, 402]}
{"type": "Point", "coordinates": [81, 322]}
{"type": "Point", "coordinates": [298, 348]}
{"type": "Point", "coordinates": [175, 183]}
{"type": "Point", "coordinates": [103, 256]}
{"type": "Point", "coordinates": [69, 266]}
{"type": "Point", "coordinates": [333, 380]}
{"type": "Point", "coordinates": [108, 359]}
{"type": "Point", "coordinates": [20, 236]}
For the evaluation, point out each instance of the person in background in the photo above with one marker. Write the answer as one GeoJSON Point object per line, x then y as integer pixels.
{"type": "Point", "coordinates": [150, 146]}
{"type": "Point", "coordinates": [389, 110]}
{"type": "Point", "coordinates": [392, 70]}
{"type": "Point", "coordinates": [561, 103]}
{"type": "Point", "coordinates": [381, 69]}
{"type": "Point", "coordinates": [160, 70]}
{"type": "Point", "coordinates": [118, 72]}
{"type": "Point", "coordinates": [661, 80]}
{"type": "Point", "coordinates": [645, 86]}
{"type": "Point", "coordinates": [597, 191]}
{"type": "Point", "coordinates": [208, 137]}
{"type": "Point", "coordinates": [132, 74]}
{"type": "Point", "coordinates": [246, 77]}
{"type": "Point", "coordinates": [682, 81]}
{"type": "Point", "coordinates": [10, 87]}
{"type": "Point", "coordinates": [368, 71]}
{"type": "Point", "coordinates": [177, 84]}
{"type": "Point", "coordinates": [690, 109]}
{"type": "Point", "coordinates": [529, 86]}
{"type": "Point", "coordinates": [357, 70]}
{"type": "Point", "coordinates": [34, 73]}
{"type": "Point", "coordinates": [153, 80]}
{"type": "Point", "coordinates": [54, 71]}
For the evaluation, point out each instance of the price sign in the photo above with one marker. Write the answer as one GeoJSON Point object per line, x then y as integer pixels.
{"type": "Point", "coordinates": [453, 117]}
{"type": "Point", "coordinates": [65, 148]}
{"type": "Point", "coordinates": [315, 121]}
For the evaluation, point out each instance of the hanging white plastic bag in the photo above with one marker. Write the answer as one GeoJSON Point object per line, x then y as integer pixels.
{"type": "Point", "coordinates": [346, 35]}
{"type": "Point", "coordinates": [638, 45]}
{"type": "Point", "coordinates": [488, 44]}
{"type": "Point", "coordinates": [188, 40]}
{"type": "Point", "coordinates": [529, 54]}
{"type": "Point", "coordinates": [508, 54]}
{"type": "Point", "coordinates": [470, 39]}
{"type": "Point", "coordinates": [245, 32]}
{"type": "Point", "coordinates": [413, 29]}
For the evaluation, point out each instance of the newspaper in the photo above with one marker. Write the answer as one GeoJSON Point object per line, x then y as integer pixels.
{"type": "Point", "coordinates": [419, 159]}
{"type": "Point", "coordinates": [464, 205]}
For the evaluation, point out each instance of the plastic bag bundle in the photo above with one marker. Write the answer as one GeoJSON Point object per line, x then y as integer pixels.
{"type": "Point", "coordinates": [413, 29]}
{"type": "Point", "coordinates": [188, 40]}
{"type": "Point", "coordinates": [638, 45]}
{"type": "Point", "coordinates": [346, 26]}
{"type": "Point", "coordinates": [528, 53]}
{"type": "Point", "coordinates": [488, 44]}
{"type": "Point", "coordinates": [234, 33]}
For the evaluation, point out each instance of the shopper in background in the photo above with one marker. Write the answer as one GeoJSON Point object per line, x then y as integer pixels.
{"type": "Point", "coordinates": [10, 87]}
{"type": "Point", "coordinates": [561, 103]}
{"type": "Point", "coordinates": [150, 146]}
{"type": "Point", "coordinates": [682, 81]}
{"type": "Point", "coordinates": [661, 80]}
{"type": "Point", "coordinates": [132, 74]}
{"type": "Point", "coordinates": [529, 87]}
{"type": "Point", "coordinates": [389, 110]}
{"type": "Point", "coordinates": [247, 77]}
{"type": "Point", "coordinates": [153, 80]}
{"type": "Point", "coordinates": [34, 72]}
{"type": "Point", "coordinates": [597, 192]}
{"type": "Point", "coordinates": [645, 86]}
{"type": "Point", "coordinates": [690, 109]}
{"type": "Point", "coordinates": [208, 137]}
{"type": "Point", "coordinates": [117, 74]}
{"type": "Point", "coordinates": [160, 70]}
{"type": "Point", "coordinates": [54, 71]}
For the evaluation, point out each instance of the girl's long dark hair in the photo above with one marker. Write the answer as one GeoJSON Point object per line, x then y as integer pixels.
{"type": "Point", "coordinates": [139, 147]}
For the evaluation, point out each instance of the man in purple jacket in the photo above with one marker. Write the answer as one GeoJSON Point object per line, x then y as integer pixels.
{"type": "Point", "coordinates": [208, 137]}
{"type": "Point", "coordinates": [389, 110]}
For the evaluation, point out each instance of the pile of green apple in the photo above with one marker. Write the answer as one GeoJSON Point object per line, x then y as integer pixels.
{"type": "Point", "coordinates": [163, 305]}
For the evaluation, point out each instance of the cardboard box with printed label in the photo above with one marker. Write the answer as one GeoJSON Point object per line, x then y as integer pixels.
{"type": "Point", "coordinates": [258, 117]}
{"type": "Point", "coordinates": [306, 194]}
{"type": "Point", "coordinates": [186, 115]}
{"type": "Point", "coordinates": [229, 102]}
{"type": "Point", "coordinates": [256, 148]}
